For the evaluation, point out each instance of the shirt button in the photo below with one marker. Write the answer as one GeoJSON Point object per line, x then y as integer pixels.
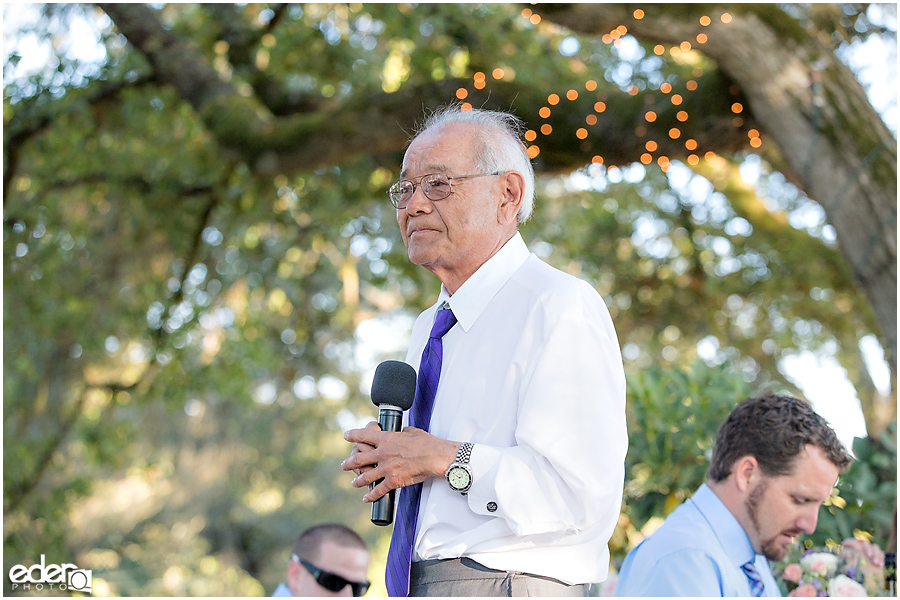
{"type": "Point", "coordinates": [492, 506]}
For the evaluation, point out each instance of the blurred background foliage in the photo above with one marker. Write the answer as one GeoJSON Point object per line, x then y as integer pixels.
{"type": "Point", "coordinates": [193, 309]}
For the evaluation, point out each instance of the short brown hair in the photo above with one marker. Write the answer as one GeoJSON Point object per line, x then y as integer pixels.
{"type": "Point", "coordinates": [308, 543]}
{"type": "Point", "coordinates": [773, 429]}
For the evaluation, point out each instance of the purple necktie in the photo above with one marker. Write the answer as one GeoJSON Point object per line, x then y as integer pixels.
{"type": "Point", "coordinates": [757, 587]}
{"type": "Point", "coordinates": [400, 553]}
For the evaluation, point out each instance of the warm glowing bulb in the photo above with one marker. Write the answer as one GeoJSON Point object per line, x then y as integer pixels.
{"type": "Point", "coordinates": [591, 120]}
{"type": "Point", "coordinates": [691, 85]}
{"type": "Point", "coordinates": [533, 151]}
{"type": "Point", "coordinates": [682, 115]}
{"type": "Point", "coordinates": [676, 99]}
{"type": "Point", "coordinates": [701, 38]}
{"type": "Point", "coordinates": [737, 107]}
{"type": "Point", "coordinates": [685, 46]}
{"type": "Point", "coordinates": [606, 39]}
{"type": "Point", "coordinates": [461, 93]}
{"type": "Point", "coordinates": [497, 73]}
{"type": "Point", "coordinates": [665, 88]}
{"type": "Point", "coordinates": [675, 51]}
{"type": "Point", "coordinates": [597, 160]}
{"type": "Point", "coordinates": [479, 85]}
{"type": "Point", "coordinates": [465, 106]}
{"type": "Point", "coordinates": [544, 112]}
{"type": "Point", "coordinates": [659, 50]}
{"type": "Point", "coordinates": [581, 133]}
{"type": "Point", "coordinates": [646, 158]}
{"type": "Point", "coordinates": [650, 116]}
{"type": "Point", "coordinates": [704, 20]}
{"type": "Point", "coordinates": [726, 18]}
{"type": "Point", "coordinates": [753, 133]}
{"type": "Point", "coordinates": [546, 129]}
{"type": "Point", "coordinates": [756, 142]}
{"type": "Point", "coordinates": [622, 30]}
{"type": "Point", "coordinates": [693, 159]}
{"type": "Point", "coordinates": [590, 85]}
{"type": "Point", "coordinates": [530, 135]}
{"type": "Point", "coordinates": [650, 146]}
{"type": "Point", "coordinates": [599, 106]}
{"type": "Point", "coordinates": [526, 12]}
{"type": "Point", "coordinates": [674, 133]}
{"type": "Point", "coordinates": [572, 94]}
{"type": "Point", "coordinates": [691, 144]}
{"type": "Point", "coordinates": [633, 90]}
{"type": "Point", "coordinates": [535, 19]}
{"type": "Point", "coordinates": [553, 99]}
{"type": "Point", "coordinates": [638, 14]}
{"type": "Point", "coordinates": [479, 76]}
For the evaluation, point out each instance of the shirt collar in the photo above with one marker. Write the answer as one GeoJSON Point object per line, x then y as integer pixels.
{"type": "Point", "coordinates": [728, 530]}
{"type": "Point", "coordinates": [473, 296]}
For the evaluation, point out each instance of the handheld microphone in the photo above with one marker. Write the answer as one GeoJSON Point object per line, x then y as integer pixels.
{"type": "Point", "coordinates": [393, 391]}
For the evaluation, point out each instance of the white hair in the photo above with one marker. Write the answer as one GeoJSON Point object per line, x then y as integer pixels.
{"type": "Point", "coordinates": [498, 145]}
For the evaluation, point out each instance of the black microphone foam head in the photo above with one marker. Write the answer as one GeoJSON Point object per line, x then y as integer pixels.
{"type": "Point", "coordinates": [394, 383]}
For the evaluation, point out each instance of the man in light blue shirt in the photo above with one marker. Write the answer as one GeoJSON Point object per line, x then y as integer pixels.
{"type": "Point", "coordinates": [774, 462]}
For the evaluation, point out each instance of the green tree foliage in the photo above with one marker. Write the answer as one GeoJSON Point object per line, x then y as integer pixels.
{"type": "Point", "coordinates": [201, 268]}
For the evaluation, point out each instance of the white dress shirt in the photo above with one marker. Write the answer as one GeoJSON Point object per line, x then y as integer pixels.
{"type": "Point", "coordinates": [532, 376]}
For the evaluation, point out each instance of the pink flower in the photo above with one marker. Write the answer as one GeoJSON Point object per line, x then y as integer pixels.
{"type": "Point", "coordinates": [793, 572]}
{"type": "Point", "coordinates": [823, 563]}
{"type": "Point", "coordinates": [807, 590]}
{"type": "Point", "coordinates": [841, 585]}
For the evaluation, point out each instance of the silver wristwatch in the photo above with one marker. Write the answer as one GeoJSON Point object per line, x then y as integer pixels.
{"type": "Point", "coordinates": [459, 475]}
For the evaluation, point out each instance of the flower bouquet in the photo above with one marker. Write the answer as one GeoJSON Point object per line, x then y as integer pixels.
{"type": "Point", "coordinates": [854, 568]}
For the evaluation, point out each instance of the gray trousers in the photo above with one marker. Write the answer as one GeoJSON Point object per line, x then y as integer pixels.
{"type": "Point", "coordinates": [465, 577]}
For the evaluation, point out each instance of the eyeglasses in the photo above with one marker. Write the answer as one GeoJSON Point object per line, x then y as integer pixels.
{"type": "Point", "coordinates": [435, 185]}
{"type": "Point", "coordinates": [331, 581]}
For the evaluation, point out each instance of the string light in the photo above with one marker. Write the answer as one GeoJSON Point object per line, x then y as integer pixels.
{"type": "Point", "coordinates": [622, 30]}
{"type": "Point", "coordinates": [753, 134]}
{"type": "Point", "coordinates": [638, 14]}
{"type": "Point", "coordinates": [597, 160]}
{"type": "Point", "coordinates": [581, 133]}
{"type": "Point", "coordinates": [674, 133]}
{"type": "Point", "coordinates": [693, 159]}
{"type": "Point", "coordinates": [650, 116]}
{"type": "Point", "coordinates": [666, 87]}
{"type": "Point", "coordinates": [685, 46]}
{"type": "Point", "coordinates": [659, 50]}
{"type": "Point", "coordinates": [726, 18]}
{"type": "Point", "coordinates": [544, 112]}
{"type": "Point", "coordinates": [590, 85]}
{"type": "Point", "coordinates": [710, 155]}
{"type": "Point", "coordinates": [572, 95]}
{"type": "Point", "coordinates": [633, 90]}
{"type": "Point", "coordinates": [646, 158]}
{"type": "Point", "coordinates": [535, 19]}
{"type": "Point", "coordinates": [526, 12]}
{"type": "Point", "coordinates": [691, 85]}
{"type": "Point", "coordinates": [606, 39]}
{"type": "Point", "coordinates": [553, 99]}
{"type": "Point", "coordinates": [530, 135]}
{"type": "Point", "coordinates": [533, 151]}
{"type": "Point", "coordinates": [591, 120]}
{"type": "Point", "coordinates": [704, 20]}
{"type": "Point", "coordinates": [599, 106]}
{"type": "Point", "coordinates": [701, 38]}
{"type": "Point", "coordinates": [682, 115]}
{"type": "Point", "coordinates": [737, 107]}
{"type": "Point", "coordinates": [650, 146]}
{"type": "Point", "coordinates": [755, 142]}
{"type": "Point", "coordinates": [691, 144]}
{"type": "Point", "coordinates": [465, 106]}
{"type": "Point", "coordinates": [497, 73]}
{"type": "Point", "coordinates": [546, 129]}
{"type": "Point", "coordinates": [461, 93]}
{"type": "Point", "coordinates": [676, 99]}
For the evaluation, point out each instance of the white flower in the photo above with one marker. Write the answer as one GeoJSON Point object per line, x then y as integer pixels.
{"type": "Point", "coordinates": [841, 585]}
{"type": "Point", "coordinates": [823, 563]}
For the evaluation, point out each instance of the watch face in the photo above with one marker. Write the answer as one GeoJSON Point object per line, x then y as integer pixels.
{"type": "Point", "coordinates": [459, 478]}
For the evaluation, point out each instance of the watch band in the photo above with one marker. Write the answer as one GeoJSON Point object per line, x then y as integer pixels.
{"type": "Point", "coordinates": [464, 453]}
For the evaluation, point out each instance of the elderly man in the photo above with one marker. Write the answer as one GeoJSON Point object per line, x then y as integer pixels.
{"type": "Point", "coordinates": [329, 559]}
{"type": "Point", "coordinates": [512, 466]}
{"type": "Point", "coordinates": [775, 461]}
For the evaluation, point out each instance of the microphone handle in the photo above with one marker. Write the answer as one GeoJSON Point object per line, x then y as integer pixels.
{"type": "Point", "coordinates": [390, 418]}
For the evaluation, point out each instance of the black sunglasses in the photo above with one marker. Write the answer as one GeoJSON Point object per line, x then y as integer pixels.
{"type": "Point", "coordinates": [330, 581]}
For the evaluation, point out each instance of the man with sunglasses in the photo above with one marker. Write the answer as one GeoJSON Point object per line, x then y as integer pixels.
{"type": "Point", "coordinates": [511, 472]}
{"type": "Point", "coordinates": [327, 560]}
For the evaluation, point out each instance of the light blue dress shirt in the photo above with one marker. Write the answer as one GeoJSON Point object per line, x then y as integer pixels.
{"type": "Point", "coordinates": [698, 551]}
{"type": "Point", "coordinates": [282, 591]}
